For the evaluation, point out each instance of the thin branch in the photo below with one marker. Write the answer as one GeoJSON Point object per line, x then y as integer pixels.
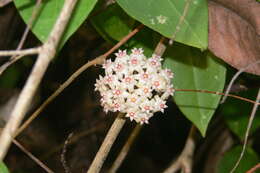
{"type": "Point", "coordinates": [185, 160]}
{"type": "Point", "coordinates": [109, 140]}
{"type": "Point", "coordinates": [29, 25]}
{"type": "Point", "coordinates": [252, 170]}
{"type": "Point", "coordinates": [160, 47]}
{"type": "Point", "coordinates": [124, 151]}
{"type": "Point", "coordinates": [252, 116]}
{"type": "Point", "coordinates": [219, 93]}
{"type": "Point", "coordinates": [235, 77]}
{"type": "Point", "coordinates": [4, 3]}
{"type": "Point", "coordinates": [10, 62]}
{"type": "Point", "coordinates": [40, 163]}
{"type": "Point", "coordinates": [63, 154]}
{"type": "Point", "coordinates": [98, 60]}
{"type": "Point", "coordinates": [15, 58]}
{"type": "Point", "coordinates": [46, 54]}
{"type": "Point", "coordinates": [30, 51]}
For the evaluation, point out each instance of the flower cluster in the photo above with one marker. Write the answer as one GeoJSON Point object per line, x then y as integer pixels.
{"type": "Point", "coordinates": [135, 85]}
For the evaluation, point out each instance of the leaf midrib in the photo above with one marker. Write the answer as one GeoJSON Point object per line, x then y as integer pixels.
{"type": "Point", "coordinates": [185, 21]}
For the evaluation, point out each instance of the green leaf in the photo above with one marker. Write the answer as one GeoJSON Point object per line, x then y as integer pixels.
{"type": "Point", "coordinates": [193, 30]}
{"type": "Point", "coordinates": [3, 168]}
{"type": "Point", "coordinates": [237, 119]}
{"type": "Point", "coordinates": [113, 24]}
{"type": "Point", "coordinates": [229, 159]}
{"type": "Point", "coordinates": [200, 71]}
{"type": "Point", "coordinates": [48, 13]}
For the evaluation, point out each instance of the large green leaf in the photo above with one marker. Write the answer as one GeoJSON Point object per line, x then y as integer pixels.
{"type": "Point", "coordinates": [163, 16]}
{"type": "Point", "coordinates": [229, 159]}
{"type": "Point", "coordinates": [200, 71]}
{"type": "Point", "coordinates": [48, 13]}
{"type": "Point", "coordinates": [3, 168]}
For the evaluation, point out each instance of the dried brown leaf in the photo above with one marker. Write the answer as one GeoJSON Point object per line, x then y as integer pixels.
{"type": "Point", "coordinates": [234, 32]}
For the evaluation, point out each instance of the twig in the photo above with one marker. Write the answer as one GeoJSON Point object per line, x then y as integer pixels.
{"type": "Point", "coordinates": [30, 51]}
{"type": "Point", "coordinates": [235, 77]}
{"type": "Point", "coordinates": [63, 154]}
{"type": "Point", "coordinates": [185, 160]}
{"type": "Point", "coordinates": [15, 58]}
{"type": "Point", "coordinates": [122, 155]}
{"type": "Point", "coordinates": [252, 116]}
{"type": "Point", "coordinates": [219, 93]}
{"type": "Point", "coordinates": [45, 56]}
{"type": "Point", "coordinates": [252, 170]}
{"type": "Point", "coordinates": [29, 25]}
{"type": "Point", "coordinates": [161, 47]}
{"type": "Point", "coordinates": [40, 163]}
{"type": "Point", "coordinates": [109, 140]}
{"type": "Point", "coordinates": [10, 62]}
{"type": "Point", "coordinates": [98, 60]}
{"type": "Point", "coordinates": [4, 3]}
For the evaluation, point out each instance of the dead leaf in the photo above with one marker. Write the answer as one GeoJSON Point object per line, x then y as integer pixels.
{"type": "Point", "coordinates": [234, 32]}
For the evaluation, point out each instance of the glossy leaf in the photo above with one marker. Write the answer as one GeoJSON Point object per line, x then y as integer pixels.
{"type": "Point", "coordinates": [229, 159]}
{"type": "Point", "coordinates": [199, 71]}
{"type": "Point", "coordinates": [48, 13]}
{"type": "Point", "coordinates": [3, 168]}
{"type": "Point", "coordinates": [163, 17]}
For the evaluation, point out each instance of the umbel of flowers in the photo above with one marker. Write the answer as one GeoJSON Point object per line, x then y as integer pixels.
{"type": "Point", "coordinates": [135, 85]}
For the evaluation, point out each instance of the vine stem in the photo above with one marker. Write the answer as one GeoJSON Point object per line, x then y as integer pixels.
{"type": "Point", "coordinates": [252, 170]}
{"type": "Point", "coordinates": [124, 151]}
{"type": "Point", "coordinates": [109, 140]}
{"type": "Point", "coordinates": [30, 51]}
{"type": "Point", "coordinates": [35, 159]}
{"type": "Point", "coordinates": [235, 77]}
{"type": "Point", "coordinates": [219, 93]}
{"type": "Point", "coordinates": [252, 116]}
{"type": "Point", "coordinates": [45, 56]}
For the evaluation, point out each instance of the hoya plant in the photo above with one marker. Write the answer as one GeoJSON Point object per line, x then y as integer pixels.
{"type": "Point", "coordinates": [129, 86]}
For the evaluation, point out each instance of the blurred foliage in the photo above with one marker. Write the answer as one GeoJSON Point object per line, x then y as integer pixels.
{"type": "Point", "coordinates": [3, 168]}
{"type": "Point", "coordinates": [229, 159]}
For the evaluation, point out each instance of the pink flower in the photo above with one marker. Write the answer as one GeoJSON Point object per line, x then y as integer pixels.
{"type": "Point", "coordinates": [136, 51]}
{"type": "Point", "coordinates": [135, 85]}
{"type": "Point", "coordinates": [121, 53]}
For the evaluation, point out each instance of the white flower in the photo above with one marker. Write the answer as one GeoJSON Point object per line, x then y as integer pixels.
{"type": "Point", "coordinates": [135, 85]}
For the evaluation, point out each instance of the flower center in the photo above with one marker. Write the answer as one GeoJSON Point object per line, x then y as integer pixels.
{"type": "Point", "coordinates": [133, 99]}
{"type": "Point", "coordinates": [147, 108]}
{"type": "Point", "coordinates": [156, 83]}
{"type": "Point", "coordinates": [145, 76]}
{"type": "Point", "coordinates": [127, 79]}
{"type": "Point", "coordinates": [117, 92]}
{"type": "Point", "coordinates": [134, 61]}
